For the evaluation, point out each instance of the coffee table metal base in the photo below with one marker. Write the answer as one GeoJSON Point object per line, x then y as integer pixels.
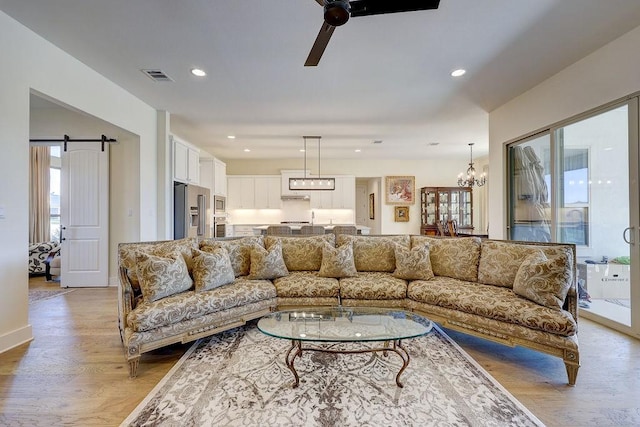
{"type": "Point", "coordinates": [395, 346]}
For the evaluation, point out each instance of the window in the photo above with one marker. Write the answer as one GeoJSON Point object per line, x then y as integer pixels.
{"type": "Point", "coordinates": [54, 193]}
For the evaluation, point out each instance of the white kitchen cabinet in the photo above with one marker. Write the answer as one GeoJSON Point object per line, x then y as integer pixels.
{"type": "Point", "coordinates": [213, 175]}
{"type": "Point", "coordinates": [267, 192]}
{"type": "Point", "coordinates": [186, 162]}
{"type": "Point", "coordinates": [322, 199]}
{"type": "Point", "coordinates": [220, 170]}
{"type": "Point", "coordinates": [241, 192]}
{"type": "Point", "coordinates": [343, 197]}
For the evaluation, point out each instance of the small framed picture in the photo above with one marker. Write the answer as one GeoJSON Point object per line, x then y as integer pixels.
{"type": "Point", "coordinates": [400, 190]}
{"type": "Point", "coordinates": [402, 214]}
{"type": "Point", "coordinates": [372, 212]}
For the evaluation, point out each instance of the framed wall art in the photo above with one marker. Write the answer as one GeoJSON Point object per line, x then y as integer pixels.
{"type": "Point", "coordinates": [401, 214]}
{"type": "Point", "coordinates": [372, 209]}
{"type": "Point", "coordinates": [400, 190]}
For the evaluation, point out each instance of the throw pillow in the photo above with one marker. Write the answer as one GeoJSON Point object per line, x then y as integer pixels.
{"type": "Point", "coordinates": [162, 276]}
{"type": "Point", "coordinates": [414, 263]}
{"type": "Point", "coordinates": [211, 269]}
{"type": "Point", "coordinates": [543, 280]}
{"type": "Point", "coordinates": [267, 263]}
{"type": "Point", "coordinates": [337, 262]}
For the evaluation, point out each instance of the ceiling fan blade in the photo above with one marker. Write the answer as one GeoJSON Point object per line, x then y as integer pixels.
{"type": "Point", "coordinates": [378, 7]}
{"type": "Point", "coordinates": [319, 45]}
{"type": "Point", "coordinates": [320, 2]}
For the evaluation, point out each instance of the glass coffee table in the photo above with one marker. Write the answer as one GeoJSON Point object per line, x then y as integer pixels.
{"type": "Point", "coordinates": [309, 328]}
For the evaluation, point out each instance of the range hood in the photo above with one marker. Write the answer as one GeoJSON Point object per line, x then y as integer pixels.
{"type": "Point", "coordinates": [295, 197]}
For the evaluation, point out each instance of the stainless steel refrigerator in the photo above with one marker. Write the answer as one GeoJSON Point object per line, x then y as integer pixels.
{"type": "Point", "coordinates": [191, 211]}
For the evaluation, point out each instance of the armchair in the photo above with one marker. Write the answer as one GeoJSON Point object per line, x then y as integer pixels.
{"type": "Point", "coordinates": [38, 253]}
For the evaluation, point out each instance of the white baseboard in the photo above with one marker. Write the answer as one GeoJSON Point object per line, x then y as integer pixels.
{"type": "Point", "coordinates": [16, 338]}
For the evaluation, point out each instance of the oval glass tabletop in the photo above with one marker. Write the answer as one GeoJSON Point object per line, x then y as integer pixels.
{"type": "Point", "coordinates": [344, 324]}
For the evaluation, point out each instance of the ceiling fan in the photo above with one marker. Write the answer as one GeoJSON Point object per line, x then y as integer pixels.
{"type": "Point", "coordinates": [337, 12]}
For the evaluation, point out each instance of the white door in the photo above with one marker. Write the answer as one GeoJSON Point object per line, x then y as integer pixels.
{"type": "Point", "coordinates": [84, 215]}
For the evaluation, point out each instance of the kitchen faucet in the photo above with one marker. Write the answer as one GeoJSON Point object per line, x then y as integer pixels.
{"type": "Point", "coordinates": [313, 215]}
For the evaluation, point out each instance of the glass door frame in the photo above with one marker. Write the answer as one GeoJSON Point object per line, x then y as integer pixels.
{"type": "Point", "coordinates": [632, 233]}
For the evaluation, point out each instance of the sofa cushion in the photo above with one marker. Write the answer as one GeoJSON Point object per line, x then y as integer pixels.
{"type": "Point", "coordinates": [267, 263]}
{"type": "Point", "coordinates": [128, 254]}
{"type": "Point", "coordinates": [373, 285]}
{"type": "Point", "coordinates": [452, 257]}
{"type": "Point", "coordinates": [374, 253]}
{"type": "Point", "coordinates": [161, 277]}
{"type": "Point", "coordinates": [211, 269]}
{"type": "Point", "coordinates": [191, 305]}
{"type": "Point", "coordinates": [239, 251]}
{"type": "Point", "coordinates": [301, 253]}
{"type": "Point", "coordinates": [306, 284]}
{"type": "Point", "coordinates": [414, 263]}
{"type": "Point", "coordinates": [543, 280]}
{"type": "Point", "coordinates": [338, 261]}
{"type": "Point", "coordinates": [499, 261]}
{"type": "Point", "coordinates": [492, 302]}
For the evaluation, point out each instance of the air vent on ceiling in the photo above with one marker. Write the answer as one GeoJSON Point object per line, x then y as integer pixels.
{"type": "Point", "coordinates": [377, 141]}
{"type": "Point", "coordinates": [157, 75]}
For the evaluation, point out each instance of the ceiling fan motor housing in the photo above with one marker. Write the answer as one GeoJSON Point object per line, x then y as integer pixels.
{"type": "Point", "coordinates": [336, 12]}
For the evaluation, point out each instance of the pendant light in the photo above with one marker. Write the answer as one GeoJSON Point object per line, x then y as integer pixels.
{"type": "Point", "coordinates": [313, 184]}
{"type": "Point", "coordinates": [470, 180]}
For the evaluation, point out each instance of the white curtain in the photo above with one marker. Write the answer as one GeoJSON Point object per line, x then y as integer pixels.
{"type": "Point", "coordinates": [39, 163]}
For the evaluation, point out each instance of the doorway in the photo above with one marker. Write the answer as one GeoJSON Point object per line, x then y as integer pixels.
{"type": "Point", "coordinates": [51, 119]}
{"type": "Point", "coordinates": [577, 182]}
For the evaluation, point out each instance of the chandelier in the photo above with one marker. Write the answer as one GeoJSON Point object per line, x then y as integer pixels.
{"type": "Point", "coordinates": [318, 183]}
{"type": "Point", "coordinates": [470, 179]}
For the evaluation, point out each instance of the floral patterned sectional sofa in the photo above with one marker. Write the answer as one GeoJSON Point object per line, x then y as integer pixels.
{"type": "Point", "coordinates": [514, 293]}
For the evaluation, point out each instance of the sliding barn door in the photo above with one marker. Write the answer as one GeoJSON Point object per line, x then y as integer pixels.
{"type": "Point", "coordinates": [84, 215]}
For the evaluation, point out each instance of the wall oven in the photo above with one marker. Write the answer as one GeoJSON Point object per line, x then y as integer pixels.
{"type": "Point", "coordinates": [219, 216]}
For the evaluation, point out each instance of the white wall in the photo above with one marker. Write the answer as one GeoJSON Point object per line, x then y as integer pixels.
{"type": "Point", "coordinates": [31, 63]}
{"type": "Point", "coordinates": [606, 75]}
{"type": "Point", "coordinates": [428, 173]}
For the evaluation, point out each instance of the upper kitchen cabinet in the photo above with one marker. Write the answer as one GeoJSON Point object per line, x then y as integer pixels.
{"type": "Point", "coordinates": [343, 197]}
{"type": "Point", "coordinates": [345, 194]}
{"type": "Point", "coordinates": [254, 192]}
{"type": "Point", "coordinates": [267, 192]}
{"type": "Point", "coordinates": [213, 175]}
{"type": "Point", "coordinates": [220, 178]}
{"type": "Point", "coordinates": [186, 162]}
{"type": "Point", "coordinates": [241, 192]}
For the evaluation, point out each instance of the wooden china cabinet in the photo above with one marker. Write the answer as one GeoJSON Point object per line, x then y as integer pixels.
{"type": "Point", "coordinates": [446, 203]}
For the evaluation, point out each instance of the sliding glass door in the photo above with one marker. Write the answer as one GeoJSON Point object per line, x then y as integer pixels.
{"type": "Point", "coordinates": [578, 183]}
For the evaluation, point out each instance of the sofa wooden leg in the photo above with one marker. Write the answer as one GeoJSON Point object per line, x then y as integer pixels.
{"type": "Point", "coordinates": [133, 367]}
{"type": "Point", "coordinates": [572, 372]}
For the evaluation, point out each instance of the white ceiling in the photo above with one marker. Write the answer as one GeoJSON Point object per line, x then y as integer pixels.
{"type": "Point", "coordinates": [384, 77]}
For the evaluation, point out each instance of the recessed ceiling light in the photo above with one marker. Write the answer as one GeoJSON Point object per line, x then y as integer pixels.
{"type": "Point", "coordinates": [246, 150]}
{"type": "Point", "coordinates": [198, 72]}
{"type": "Point", "coordinates": [357, 150]}
{"type": "Point", "coordinates": [459, 72]}
{"type": "Point", "coordinates": [231, 137]}
{"type": "Point", "coordinates": [302, 150]}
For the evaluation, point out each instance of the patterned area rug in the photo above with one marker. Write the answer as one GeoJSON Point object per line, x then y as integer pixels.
{"type": "Point", "coordinates": [239, 378]}
{"type": "Point", "coordinates": [38, 295]}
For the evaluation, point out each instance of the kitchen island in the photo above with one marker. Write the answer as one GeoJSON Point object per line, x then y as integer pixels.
{"type": "Point", "coordinates": [295, 228]}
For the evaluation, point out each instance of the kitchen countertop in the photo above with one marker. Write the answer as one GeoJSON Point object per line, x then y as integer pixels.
{"type": "Point", "coordinates": [296, 227]}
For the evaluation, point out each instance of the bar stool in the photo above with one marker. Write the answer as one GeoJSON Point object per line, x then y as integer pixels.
{"type": "Point", "coordinates": [278, 230]}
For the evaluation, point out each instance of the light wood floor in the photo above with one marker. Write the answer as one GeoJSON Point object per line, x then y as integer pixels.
{"type": "Point", "coordinates": [73, 373]}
